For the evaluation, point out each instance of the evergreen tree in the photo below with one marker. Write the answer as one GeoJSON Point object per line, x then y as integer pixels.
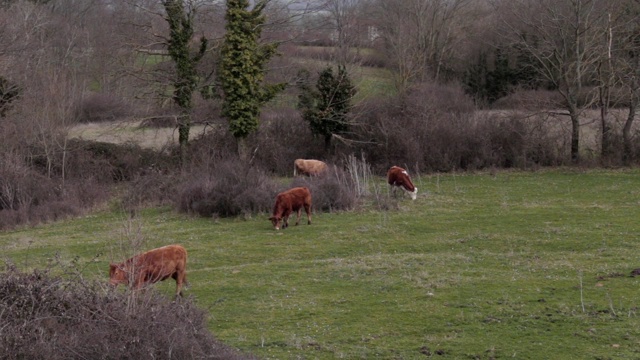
{"type": "Point", "coordinates": [243, 69]}
{"type": "Point", "coordinates": [489, 79]}
{"type": "Point", "coordinates": [327, 107]}
{"type": "Point", "coordinates": [181, 31]}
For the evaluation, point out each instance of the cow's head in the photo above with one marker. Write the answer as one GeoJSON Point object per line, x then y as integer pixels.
{"type": "Point", "coordinates": [275, 220]}
{"type": "Point", "coordinates": [414, 194]}
{"type": "Point", "coordinates": [117, 274]}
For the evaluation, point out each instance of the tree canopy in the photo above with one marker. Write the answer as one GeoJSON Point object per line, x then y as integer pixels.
{"type": "Point", "coordinates": [243, 67]}
{"type": "Point", "coordinates": [326, 107]}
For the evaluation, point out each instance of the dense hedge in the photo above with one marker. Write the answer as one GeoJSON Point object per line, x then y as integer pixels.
{"type": "Point", "coordinates": [48, 317]}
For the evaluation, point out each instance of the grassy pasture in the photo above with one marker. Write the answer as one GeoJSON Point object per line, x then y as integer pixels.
{"type": "Point", "coordinates": [518, 265]}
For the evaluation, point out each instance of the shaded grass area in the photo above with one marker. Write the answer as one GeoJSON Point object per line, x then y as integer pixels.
{"type": "Point", "coordinates": [518, 265]}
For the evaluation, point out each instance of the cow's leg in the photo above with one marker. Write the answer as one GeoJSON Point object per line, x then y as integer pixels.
{"type": "Point", "coordinates": [307, 209]}
{"type": "Point", "coordinates": [179, 277]}
{"type": "Point", "coordinates": [285, 220]}
{"type": "Point", "coordinates": [298, 217]}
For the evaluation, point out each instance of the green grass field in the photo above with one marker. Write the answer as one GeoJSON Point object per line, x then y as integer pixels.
{"type": "Point", "coordinates": [524, 265]}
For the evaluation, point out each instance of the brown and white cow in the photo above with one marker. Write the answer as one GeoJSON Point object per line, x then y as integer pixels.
{"type": "Point", "coordinates": [289, 201]}
{"type": "Point", "coordinates": [397, 176]}
{"type": "Point", "coordinates": [308, 167]}
{"type": "Point", "coordinates": [152, 266]}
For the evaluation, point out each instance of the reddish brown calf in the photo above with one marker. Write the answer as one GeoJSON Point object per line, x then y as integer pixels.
{"type": "Point", "coordinates": [397, 176]}
{"type": "Point", "coordinates": [288, 201]}
{"type": "Point", "coordinates": [152, 266]}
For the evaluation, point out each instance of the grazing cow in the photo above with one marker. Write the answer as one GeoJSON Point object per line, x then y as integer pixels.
{"type": "Point", "coordinates": [287, 202]}
{"type": "Point", "coordinates": [308, 167]}
{"type": "Point", "coordinates": [152, 266]}
{"type": "Point", "coordinates": [397, 176]}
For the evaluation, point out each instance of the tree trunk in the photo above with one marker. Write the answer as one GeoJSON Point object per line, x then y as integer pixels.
{"type": "Point", "coordinates": [626, 133]}
{"type": "Point", "coordinates": [605, 151]}
{"type": "Point", "coordinates": [184, 125]}
{"type": "Point", "coordinates": [243, 149]}
{"type": "Point", "coordinates": [605, 94]}
{"type": "Point", "coordinates": [327, 143]}
{"type": "Point", "coordinates": [575, 135]}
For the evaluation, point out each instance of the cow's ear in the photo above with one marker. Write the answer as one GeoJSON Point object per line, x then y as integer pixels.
{"type": "Point", "coordinates": [112, 268]}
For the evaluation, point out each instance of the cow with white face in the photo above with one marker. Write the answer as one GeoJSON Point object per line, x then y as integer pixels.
{"type": "Point", "coordinates": [397, 176]}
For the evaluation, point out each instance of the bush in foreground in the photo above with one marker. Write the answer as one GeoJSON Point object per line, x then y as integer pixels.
{"type": "Point", "coordinates": [46, 317]}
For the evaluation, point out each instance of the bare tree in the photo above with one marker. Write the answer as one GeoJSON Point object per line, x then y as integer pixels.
{"type": "Point", "coordinates": [422, 36]}
{"type": "Point", "coordinates": [628, 67]}
{"type": "Point", "coordinates": [47, 55]}
{"type": "Point", "coordinates": [344, 23]}
{"type": "Point", "coordinates": [606, 82]}
{"type": "Point", "coordinates": [566, 39]}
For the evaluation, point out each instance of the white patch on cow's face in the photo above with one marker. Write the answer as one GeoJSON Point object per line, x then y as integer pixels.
{"type": "Point", "coordinates": [414, 194]}
{"type": "Point", "coordinates": [405, 172]}
{"type": "Point", "coordinates": [275, 222]}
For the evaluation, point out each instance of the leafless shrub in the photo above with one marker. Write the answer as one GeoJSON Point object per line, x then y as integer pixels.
{"type": "Point", "coordinates": [529, 99]}
{"type": "Point", "coordinates": [113, 162]}
{"type": "Point", "coordinates": [49, 317]}
{"type": "Point", "coordinates": [284, 136]}
{"type": "Point", "coordinates": [443, 133]}
{"type": "Point", "coordinates": [154, 188]}
{"type": "Point", "coordinates": [101, 107]}
{"type": "Point", "coordinates": [211, 147]}
{"type": "Point", "coordinates": [436, 98]}
{"type": "Point", "coordinates": [29, 197]}
{"type": "Point", "coordinates": [19, 185]}
{"type": "Point", "coordinates": [360, 172]}
{"type": "Point", "coordinates": [165, 121]}
{"type": "Point", "coordinates": [331, 191]}
{"type": "Point", "coordinates": [229, 188]}
{"type": "Point", "coordinates": [73, 180]}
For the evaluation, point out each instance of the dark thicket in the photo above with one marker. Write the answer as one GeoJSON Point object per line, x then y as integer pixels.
{"type": "Point", "coordinates": [100, 107]}
{"type": "Point", "coordinates": [284, 136]}
{"type": "Point", "coordinates": [114, 162]}
{"type": "Point", "coordinates": [47, 317]}
{"type": "Point", "coordinates": [499, 72]}
{"type": "Point", "coordinates": [9, 92]}
{"type": "Point", "coordinates": [228, 188]}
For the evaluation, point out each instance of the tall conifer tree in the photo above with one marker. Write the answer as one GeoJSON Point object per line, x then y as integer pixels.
{"type": "Point", "coordinates": [243, 69]}
{"type": "Point", "coordinates": [327, 107]}
{"type": "Point", "coordinates": [181, 31]}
